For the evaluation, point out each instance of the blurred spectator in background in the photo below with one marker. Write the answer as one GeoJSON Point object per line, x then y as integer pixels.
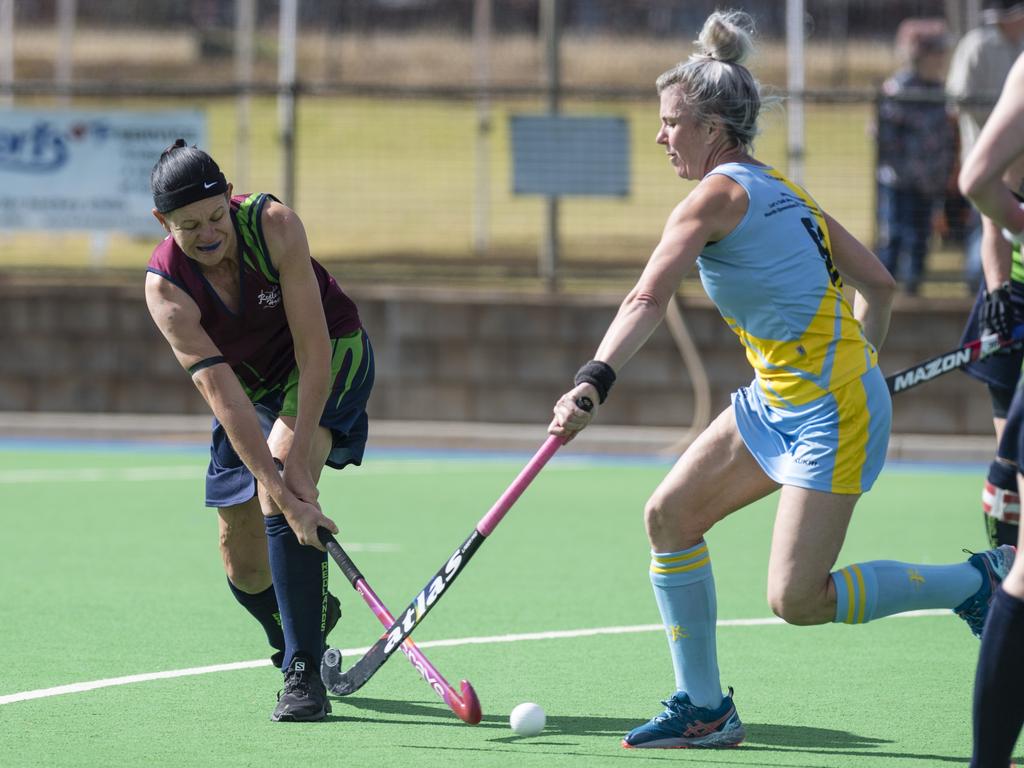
{"type": "Point", "coordinates": [981, 61]}
{"type": "Point", "coordinates": [916, 143]}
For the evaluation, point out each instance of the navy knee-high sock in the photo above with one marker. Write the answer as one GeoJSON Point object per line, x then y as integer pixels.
{"type": "Point", "coordinates": [300, 581]}
{"type": "Point", "coordinates": [998, 682]}
{"type": "Point", "coordinates": [263, 607]}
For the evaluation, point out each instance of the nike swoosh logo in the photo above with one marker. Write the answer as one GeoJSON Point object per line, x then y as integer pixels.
{"type": "Point", "coordinates": [209, 185]}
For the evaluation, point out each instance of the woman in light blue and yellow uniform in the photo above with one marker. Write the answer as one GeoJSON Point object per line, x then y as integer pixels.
{"type": "Point", "coordinates": [818, 412]}
{"type": "Point", "coordinates": [815, 420]}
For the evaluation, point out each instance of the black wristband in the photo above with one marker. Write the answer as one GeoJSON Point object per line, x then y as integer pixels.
{"type": "Point", "coordinates": [600, 375]}
{"type": "Point", "coordinates": [205, 363]}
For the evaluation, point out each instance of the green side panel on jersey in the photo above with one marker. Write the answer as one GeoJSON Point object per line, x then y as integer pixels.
{"type": "Point", "coordinates": [249, 223]}
{"type": "Point", "coordinates": [255, 394]}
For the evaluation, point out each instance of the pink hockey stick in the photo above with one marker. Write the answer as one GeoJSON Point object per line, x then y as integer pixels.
{"type": "Point", "coordinates": [466, 706]}
{"type": "Point", "coordinates": [397, 634]}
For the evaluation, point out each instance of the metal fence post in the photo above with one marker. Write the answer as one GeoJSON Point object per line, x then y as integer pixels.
{"type": "Point", "coordinates": [245, 55]}
{"type": "Point", "coordinates": [551, 29]}
{"type": "Point", "coordinates": [482, 33]}
{"type": "Point", "coordinates": [64, 63]}
{"type": "Point", "coordinates": [6, 53]}
{"type": "Point", "coordinates": [287, 91]}
{"type": "Point", "coordinates": [795, 85]}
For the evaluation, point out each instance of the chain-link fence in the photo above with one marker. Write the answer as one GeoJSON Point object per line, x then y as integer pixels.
{"type": "Point", "coordinates": [401, 164]}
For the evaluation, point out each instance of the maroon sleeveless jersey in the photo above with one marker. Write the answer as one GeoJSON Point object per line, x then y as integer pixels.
{"type": "Point", "coordinates": [256, 341]}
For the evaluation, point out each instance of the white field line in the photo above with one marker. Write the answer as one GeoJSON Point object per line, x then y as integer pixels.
{"type": "Point", "coordinates": [61, 690]}
{"type": "Point", "coordinates": [197, 472]}
{"type": "Point", "coordinates": [100, 475]}
{"type": "Point", "coordinates": [377, 547]}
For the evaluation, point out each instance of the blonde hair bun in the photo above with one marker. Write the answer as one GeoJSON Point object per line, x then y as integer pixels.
{"type": "Point", "coordinates": [727, 36]}
{"type": "Point", "coordinates": [713, 84]}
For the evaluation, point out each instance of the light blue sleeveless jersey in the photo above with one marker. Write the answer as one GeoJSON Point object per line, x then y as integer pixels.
{"type": "Point", "coordinates": [818, 412]}
{"type": "Point", "coordinates": [773, 280]}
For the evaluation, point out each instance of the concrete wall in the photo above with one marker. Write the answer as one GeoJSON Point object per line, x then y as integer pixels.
{"type": "Point", "coordinates": [441, 355]}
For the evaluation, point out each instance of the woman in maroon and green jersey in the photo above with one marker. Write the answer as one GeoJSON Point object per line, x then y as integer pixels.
{"type": "Point", "coordinates": [278, 352]}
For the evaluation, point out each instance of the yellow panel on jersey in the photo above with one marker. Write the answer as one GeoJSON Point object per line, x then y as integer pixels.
{"type": "Point", "coordinates": [818, 215]}
{"type": "Point", "coordinates": [852, 400]}
{"type": "Point", "coordinates": [814, 373]}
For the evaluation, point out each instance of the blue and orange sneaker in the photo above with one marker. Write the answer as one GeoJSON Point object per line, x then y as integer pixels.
{"type": "Point", "coordinates": [994, 564]}
{"type": "Point", "coordinates": [683, 724]}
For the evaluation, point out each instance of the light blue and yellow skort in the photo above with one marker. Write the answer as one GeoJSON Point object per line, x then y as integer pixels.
{"type": "Point", "coordinates": [835, 443]}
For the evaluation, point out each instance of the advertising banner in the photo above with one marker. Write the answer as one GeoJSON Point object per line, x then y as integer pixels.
{"type": "Point", "coordinates": [84, 170]}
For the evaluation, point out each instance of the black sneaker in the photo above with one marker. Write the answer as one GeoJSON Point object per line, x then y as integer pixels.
{"type": "Point", "coordinates": [303, 698]}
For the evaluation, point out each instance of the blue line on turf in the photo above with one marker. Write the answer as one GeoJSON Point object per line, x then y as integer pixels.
{"type": "Point", "coordinates": [50, 444]}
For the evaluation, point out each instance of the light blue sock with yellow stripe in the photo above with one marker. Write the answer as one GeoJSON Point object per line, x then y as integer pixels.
{"type": "Point", "coordinates": [684, 588]}
{"type": "Point", "coordinates": [867, 591]}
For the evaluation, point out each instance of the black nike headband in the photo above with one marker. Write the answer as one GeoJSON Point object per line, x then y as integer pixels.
{"type": "Point", "coordinates": [190, 193]}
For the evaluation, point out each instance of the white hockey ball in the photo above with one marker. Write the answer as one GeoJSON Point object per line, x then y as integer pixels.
{"type": "Point", "coordinates": [527, 719]}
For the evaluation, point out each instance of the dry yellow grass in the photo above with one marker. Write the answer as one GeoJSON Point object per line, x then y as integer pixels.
{"type": "Point", "coordinates": [432, 58]}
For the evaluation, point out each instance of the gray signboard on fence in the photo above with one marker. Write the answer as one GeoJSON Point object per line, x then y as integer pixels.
{"type": "Point", "coordinates": [570, 155]}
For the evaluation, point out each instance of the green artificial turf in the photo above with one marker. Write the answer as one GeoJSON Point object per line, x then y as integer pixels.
{"type": "Point", "coordinates": [110, 568]}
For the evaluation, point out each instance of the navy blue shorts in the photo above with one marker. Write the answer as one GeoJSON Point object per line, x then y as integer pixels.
{"type": "Point", "coordinates": [1001, 370]}
{"type": "Point", "coordinates": [1010, 447]}
{"type": "Point", "coordinates": [228, 480]}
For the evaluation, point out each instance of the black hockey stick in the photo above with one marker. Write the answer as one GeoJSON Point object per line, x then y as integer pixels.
{"type": "Point", "coordinates": [351, 680]}
{"type": "Point", "coordinates": [466, 706]}
{"type": "Point", "coordinates": [953, 360]}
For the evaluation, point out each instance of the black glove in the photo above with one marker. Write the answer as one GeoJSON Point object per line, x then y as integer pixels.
{"type": "Point", "coordinates": [997, 312]}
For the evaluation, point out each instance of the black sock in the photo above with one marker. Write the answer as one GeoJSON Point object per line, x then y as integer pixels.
{"type": "Point", "coordinates": [300, 581]}
{"type": "Point", "coordinates": [998, 706]}
{"type": "Point", "coordinates": [263, 607]}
